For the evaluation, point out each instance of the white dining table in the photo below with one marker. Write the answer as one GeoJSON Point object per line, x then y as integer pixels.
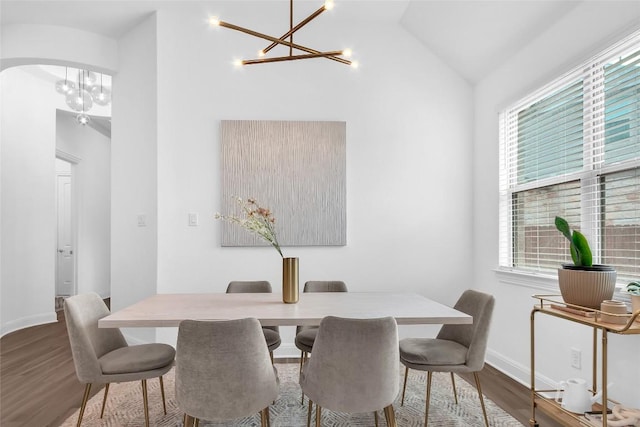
{"type": "Point", "coordinates": [168, 310]}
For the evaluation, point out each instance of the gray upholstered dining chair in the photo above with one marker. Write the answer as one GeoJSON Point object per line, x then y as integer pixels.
{"type": "Point", "coordinates": [306, 335]}
{"type": "Point", "coordinates": [271, 333]}
{"type": "Point", "coordinates": [102, 355]}
{"type": "Point", "coordinates": [354, 367]}
{"type": "Point", "coordinates": [223, 371]}
{"type": "Point", "coordinates": [456, 348]}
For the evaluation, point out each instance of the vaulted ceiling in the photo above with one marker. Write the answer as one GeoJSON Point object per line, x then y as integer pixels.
{"type": "Point", "coordinates": [472, 36]}
{"type": "Point", "coordinates": [475, 37]}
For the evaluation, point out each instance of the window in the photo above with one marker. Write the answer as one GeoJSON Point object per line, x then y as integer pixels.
{"type": "Point", "coordinates": [572, 149]}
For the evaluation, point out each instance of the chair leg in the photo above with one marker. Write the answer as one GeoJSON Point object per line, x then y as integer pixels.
{"type": "Point", "coordinates": [318, 415]}
{"type": "Point", "coordinates": [453, 383]}
{"type": "Point", "coordinates": [104, 399]}
{"type": "Point", "coordinates": [164, 402]}
{"type": "Point", "coordinates": [303, 355]}
{"type": "Point", "coordinates": [309, 413]}
{"type": "Point", "coordinates": [484, 411]}
{"type": "Point", "coordinates": [390, 416]}
{"type": "Point", "coordinates": [375, 417]}
{"type": "Point", "coordinates": [263, 418]}
{"type": "Point", "coordinates": [426, 410]}
{"type": "Point", "coordinates": [271, 356]}
{"type": "Point", "coordinates": [404, 387]}
{"type": "Point", "coordinates": [145, 401]}
{"type": "Point", "coordinates": [85, 397]}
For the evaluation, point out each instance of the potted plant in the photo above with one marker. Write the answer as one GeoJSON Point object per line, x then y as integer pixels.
{"type": "Point", "coordinates": [633, 289]}
{"type": "Point", "coordinates": [583, 283]}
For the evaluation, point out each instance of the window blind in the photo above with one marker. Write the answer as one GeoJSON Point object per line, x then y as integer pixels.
{"type": "Point", "coordinates": [620, 180]}
{"type": "Point", "coordinates": [572, 149]}
{"type": "Point", "coordinates": [550, 135]}
{"type": "Point", "coordinates": [622, 108]}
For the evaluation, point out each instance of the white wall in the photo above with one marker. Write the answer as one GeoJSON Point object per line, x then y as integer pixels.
{"type": "Point", "coordinates": [134, 189]}
{"type": "Point", "coordinates": [590, 27]}
{"type": "Point", "coordinates": [91, 182]}
{"type": "Point", "coordinates": [31, 132]}
{"type": "Point", "coordinates": [27, 285]}
{"type": "Point", "coordinates": [409, 123]}
{"type": "Point", "coordinates": [47, 44]}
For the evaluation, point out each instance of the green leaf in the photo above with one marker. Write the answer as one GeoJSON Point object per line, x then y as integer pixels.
{"type": "Point", "coordinates": [634, 288]}
{"type": "Point", "coordinates": [582, 247]}
{"type": "Point", "coordinates": [575, 254]}
{"type": "Point", "coordinates": [563, 226]}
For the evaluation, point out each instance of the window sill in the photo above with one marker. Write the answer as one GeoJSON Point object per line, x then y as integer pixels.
{"type": "Point", "coordinates": [528, 279]}
{"type": "Point", "coordinates": [544, 282]}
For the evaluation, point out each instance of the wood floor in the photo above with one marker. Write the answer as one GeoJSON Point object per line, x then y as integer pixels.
{"type": "Point", "coordinates": [38, 384]}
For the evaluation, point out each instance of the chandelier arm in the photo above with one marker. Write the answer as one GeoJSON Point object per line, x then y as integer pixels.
{"type": "Point", "coordinates": [328, 55]}
{"type": "Point", "coordinates": [296, 28]}
{"type": "Point", "coordinates": [278, 41]}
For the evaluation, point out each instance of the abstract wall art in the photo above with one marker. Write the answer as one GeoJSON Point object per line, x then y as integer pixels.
{"type": "Point", "coordinates": [295, 168]}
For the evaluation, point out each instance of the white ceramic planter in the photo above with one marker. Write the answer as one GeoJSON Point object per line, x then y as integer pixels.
{"type": "Point", "coordinates": [586, 288]}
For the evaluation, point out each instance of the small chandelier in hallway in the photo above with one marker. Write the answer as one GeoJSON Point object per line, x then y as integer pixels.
{"type": "Point", "coordinates": [80, 95]}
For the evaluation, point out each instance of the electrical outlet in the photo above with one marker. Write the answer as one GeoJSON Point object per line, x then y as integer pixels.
{"type": "Point", "coordinates": [576, 358]}
{"type": "Point", "coordinates": [142, 220]}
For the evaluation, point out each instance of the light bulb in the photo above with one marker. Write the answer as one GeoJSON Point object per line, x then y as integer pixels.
{"type": "Point", "coordinates": [101, 95]}
{"type": "Point", "coordinates": [355, 64]}
{"type": "Point", "coordinates": [214, 21]}
{"type": "Point", "coordinates": [347, 53]}
{"type": "Point", "coordinates": [261, 53]}
{"type": "Point", "coordinates": [238, 63]}
{"type": "Point", "coordinates": [83, 119]}
{"type": "Point", "coordinates": [88, 78]}
{"type": "Point", "coordinates": [79, 100]}
{"type": "Point", "coordinates": [328, 5]}
{"type": "Point", "coordinates": [64, 86]}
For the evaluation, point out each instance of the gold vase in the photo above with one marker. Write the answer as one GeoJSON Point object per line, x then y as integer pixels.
{"type": "Point", "coordinates": [290, 280]}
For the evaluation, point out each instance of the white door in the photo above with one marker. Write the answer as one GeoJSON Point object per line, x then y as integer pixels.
{"type": "Point", "coordinates": [65, 269]}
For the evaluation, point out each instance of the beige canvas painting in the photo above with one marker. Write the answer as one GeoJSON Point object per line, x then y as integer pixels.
{"type": "Point", "coordinates": [295, 168]}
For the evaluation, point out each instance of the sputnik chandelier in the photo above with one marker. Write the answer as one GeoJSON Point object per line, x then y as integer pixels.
{"type": "Point", "coordinates": [81, 97]}
{"type": "Point", "coordinates": [335, 55]}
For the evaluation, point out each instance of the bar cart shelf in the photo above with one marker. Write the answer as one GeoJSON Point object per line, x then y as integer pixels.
{"type": "Point", "coordinates": [553, 305]}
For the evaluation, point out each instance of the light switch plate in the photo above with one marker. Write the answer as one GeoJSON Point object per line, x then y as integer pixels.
{"type": "Point", "coordinates": [142, 220]}
{"type": "Point", "coordinates": [193, 219]}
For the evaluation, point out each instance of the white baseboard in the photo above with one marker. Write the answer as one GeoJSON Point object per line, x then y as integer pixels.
{"type": "Point", "coordinates": [518, 371]}
{"type": "Point", "coordinates": [287, 350]}
{"type": "Point", "coordinates": [28, 321]}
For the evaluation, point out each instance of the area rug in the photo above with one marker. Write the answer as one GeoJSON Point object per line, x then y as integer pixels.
{"type": "Point", "coordinates": [124, 406]}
